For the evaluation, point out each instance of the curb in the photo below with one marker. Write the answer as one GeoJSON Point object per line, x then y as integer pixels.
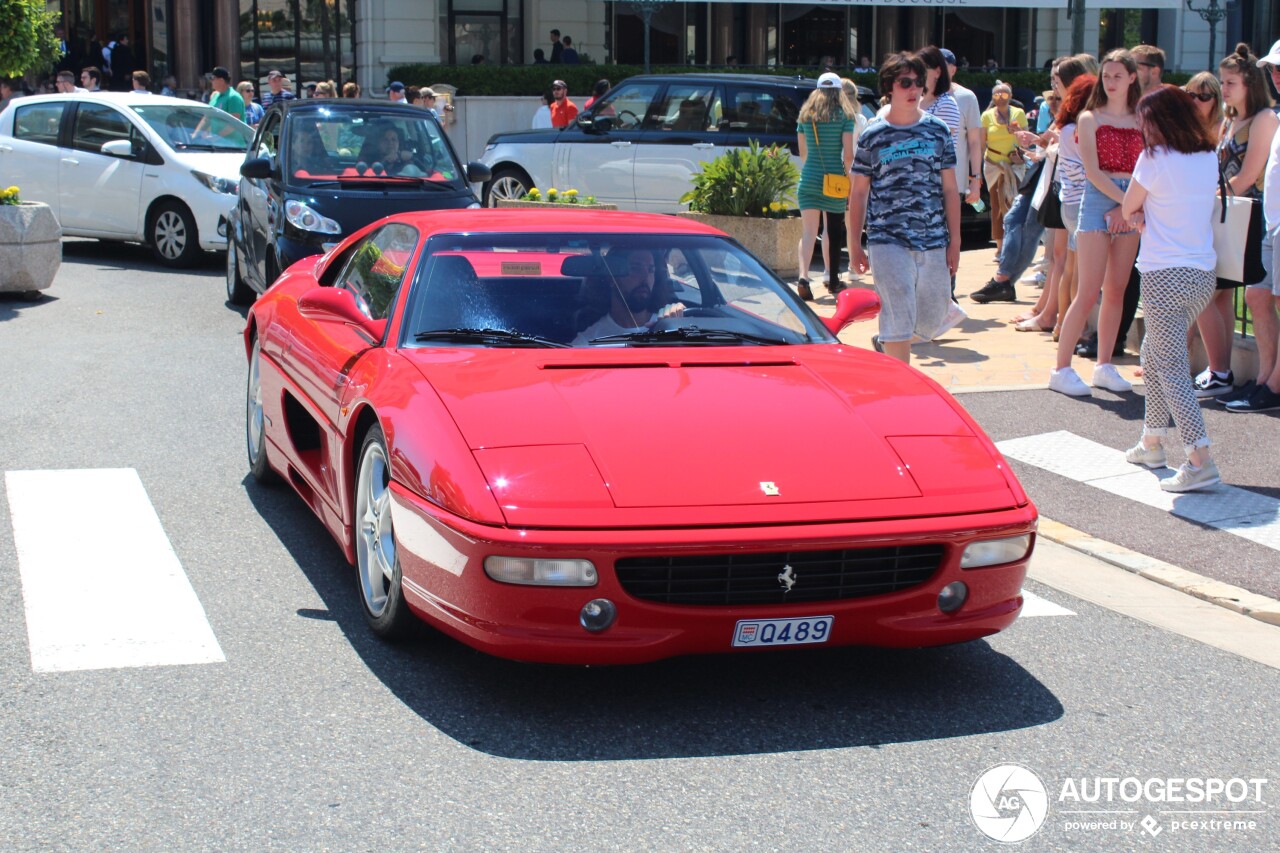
{"type": "Point", "coordinates": [1215, 592]}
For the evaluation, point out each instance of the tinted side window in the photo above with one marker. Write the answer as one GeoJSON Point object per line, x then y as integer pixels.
{"type": "Point", "coordinates": [764, 110]}
{"type": "Point", "coordinates": [269, 138]}
{"type": "Point", "coordinates": [689, 107]}
{"type": "Point", "coordinates": [626, 105]}
{"type": "Point", "coordinates": [38, 122]}
{"type": "Point", "coordinates": [98, 124]}
{"type": "Point", "coordinates": [376, 269]}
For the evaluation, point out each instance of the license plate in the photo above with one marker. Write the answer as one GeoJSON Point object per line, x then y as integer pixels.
{"type": "Point", "coordinates": [782, 632]}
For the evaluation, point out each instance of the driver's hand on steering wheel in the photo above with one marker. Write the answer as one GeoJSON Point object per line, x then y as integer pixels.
{"type": "Point", "coordinates": [671, 309]}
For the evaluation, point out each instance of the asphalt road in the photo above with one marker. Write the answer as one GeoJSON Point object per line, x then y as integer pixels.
{"type": "Point", "coordinates": [313, 735]}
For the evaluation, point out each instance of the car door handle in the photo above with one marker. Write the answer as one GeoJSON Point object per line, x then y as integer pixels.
{"type": "Point", "coordinates": [71, 161]}
{"type": "Point", "coordinates": [6, 147]}
{"type": "Point", "coordinates": [621, 143]}
{"type": "Point", "coordinates": [704, 145]}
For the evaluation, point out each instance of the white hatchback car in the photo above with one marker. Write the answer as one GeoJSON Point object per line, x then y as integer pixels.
{"type": "Point", "coordinates": [124, 166]}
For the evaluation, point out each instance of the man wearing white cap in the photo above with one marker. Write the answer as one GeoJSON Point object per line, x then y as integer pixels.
{"type": "Point", "coordinates": [1266, 393]}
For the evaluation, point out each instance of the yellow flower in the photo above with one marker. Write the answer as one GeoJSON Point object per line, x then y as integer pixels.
{"type": "Point", "coordinates": [11, 191]}
{"type": "Point", "coordinates": [571, 193]}
{"type": "Point", "coordinates": [534, 194]}
{"type": "Point", "coordinates": [775, 206]}
{"type": "Point", "coordinates": [552, 194]}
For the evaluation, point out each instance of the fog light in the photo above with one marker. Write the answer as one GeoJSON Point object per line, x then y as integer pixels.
{"type": "Point", "coordinates": [952, 597]}
{"type": "Point", "coordinates": [598, 614]}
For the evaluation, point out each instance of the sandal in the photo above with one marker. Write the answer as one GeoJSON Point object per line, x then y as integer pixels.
{"type": "Point", "coordinates": [802, 288]}
{"type": "Point", "coordinates": [1030, 325]}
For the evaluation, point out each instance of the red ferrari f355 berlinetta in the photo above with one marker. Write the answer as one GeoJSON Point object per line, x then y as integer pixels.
{"type": "Point", "coordinates": [578, 437]}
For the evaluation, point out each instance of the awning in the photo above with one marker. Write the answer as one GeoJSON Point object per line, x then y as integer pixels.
{"type": "Point", "coordinates": [946, 5]}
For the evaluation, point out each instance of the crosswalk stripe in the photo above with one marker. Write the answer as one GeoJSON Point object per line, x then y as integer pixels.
{"type": "Point", "coordinates": [1243, 513]}
{"type": "Point", "coordinates": [101, 585]}
{"type": "Point", "coordinates": [1034, 605]}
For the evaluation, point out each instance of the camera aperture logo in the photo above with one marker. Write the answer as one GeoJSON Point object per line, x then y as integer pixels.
{"type": "Point", "coordinates": [1009, 803]}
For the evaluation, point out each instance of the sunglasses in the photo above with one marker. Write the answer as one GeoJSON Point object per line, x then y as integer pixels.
{"type": "Point", "coordinates": [909, 82]}
{"type": "Point", "coordinates": [999, 97]}
{"type": "Point", "coordinates": [1203, 97]}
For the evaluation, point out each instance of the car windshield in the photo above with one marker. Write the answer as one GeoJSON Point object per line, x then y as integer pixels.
{"type": "Point", "coordinates": [195, 127]}
{"type": "Point", "coordinates": [363, 146]}
{"type": "Point", "coordinates": [600, 291]}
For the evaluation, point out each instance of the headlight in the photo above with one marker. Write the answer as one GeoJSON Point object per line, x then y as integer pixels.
{"type": "Point", "coordinates": [523, 570]}
{"type": "Point", "coordinates": [994, 552]}
{"type": "Point", "coordinates": [304, 218]}
{"type": "Point", "coordinates": [218, 185]}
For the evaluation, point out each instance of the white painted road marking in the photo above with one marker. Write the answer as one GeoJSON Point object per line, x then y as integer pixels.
{"type": "Point", "coordinates": [101, 585]}
{"type": "Point", "coordinates": [1241, 512]}
{"type": "Point", "coordinates": [1034, 605]}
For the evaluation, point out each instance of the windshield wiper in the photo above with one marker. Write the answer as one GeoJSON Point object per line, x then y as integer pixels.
{"type": "Point", "coordinates": [500, 337]}
{"type": "Point", "coordinates": [689, 334]}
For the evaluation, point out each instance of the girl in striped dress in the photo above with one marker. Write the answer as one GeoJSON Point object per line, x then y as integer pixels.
{"type": "Point", "coordinates": [824, 133]}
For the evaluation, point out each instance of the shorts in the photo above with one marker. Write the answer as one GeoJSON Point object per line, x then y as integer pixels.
{"type": "Point", "coordinates": [1071, 217]}
{"type": "Point", "coordinates": [914, 288]}
{"type": "Point", "coordinates": [1270, 262]}
{"type": "Point", "coordinates": [1095, 206]}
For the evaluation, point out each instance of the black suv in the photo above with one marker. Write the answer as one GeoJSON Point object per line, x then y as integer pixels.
{"type": "Point", "coordinates": [320, 169]}
{"type": "Point", "coordinates": [640, 144]}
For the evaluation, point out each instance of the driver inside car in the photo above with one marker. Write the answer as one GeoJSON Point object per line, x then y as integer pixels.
{"type": "Point", "coordinates": [633, 298]}
{"type": "Point", "coordinates": [384, 145]}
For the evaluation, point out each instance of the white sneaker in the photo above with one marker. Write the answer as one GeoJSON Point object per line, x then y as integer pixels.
{"type": "Point", "coordinates": [1037, 278]}
{"type": "Point", "coordinates": [1147, 457]}
{"type": "Point", "coordinates": [1065, 380]}
{"type": "Point", "coordinates": [1106, 376]}
{"type": "Point", "coordinates": [955, 316]}
{"type": "Point", "coordinates": [1189, 478]}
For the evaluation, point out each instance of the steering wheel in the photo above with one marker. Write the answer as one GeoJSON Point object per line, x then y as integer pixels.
{"type": "Point", "coordinates": [702, 312]}
{"type": "Point", "coordinates": [624, 123]}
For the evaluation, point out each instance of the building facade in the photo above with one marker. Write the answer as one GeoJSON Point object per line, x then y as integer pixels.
{"type": "Point", "coordinates": [361, 40]}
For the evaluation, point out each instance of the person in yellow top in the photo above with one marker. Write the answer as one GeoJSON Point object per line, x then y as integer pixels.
{"type": "Point", "coordinates": [1003, 167]}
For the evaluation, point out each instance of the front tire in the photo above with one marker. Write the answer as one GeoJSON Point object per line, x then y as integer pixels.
{"type": "Point", "coordinates": [255, 421]}
{"type": "Point", "coordinates": [377, 553]}
{"type": "Point", "coordinates": [507, 185]}
{"type": "Point", "coordinates": [238, 292]}
{"type": "Point", "coordinates": [173, 236]}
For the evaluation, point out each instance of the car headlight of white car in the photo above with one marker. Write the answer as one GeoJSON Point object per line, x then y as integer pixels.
{"type": "Point", "coordinates": [304, 218]}
{"type": "Point", "coordinates": [217, 184]}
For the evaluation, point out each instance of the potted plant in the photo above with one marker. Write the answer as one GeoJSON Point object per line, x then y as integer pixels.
{"type": "Point", "coordinates": [558, 198]}
{"type": "Point", "coordinates": [30, 244]}
{"type": "Point", "coordinates": [749, 193]}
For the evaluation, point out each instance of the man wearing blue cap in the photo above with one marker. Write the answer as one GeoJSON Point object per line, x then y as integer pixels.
{"type": "Point", "coordinates": [395, 92]}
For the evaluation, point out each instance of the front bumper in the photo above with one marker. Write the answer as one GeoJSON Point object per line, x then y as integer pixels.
{"type": "Point", "coordinates": [442, 556]}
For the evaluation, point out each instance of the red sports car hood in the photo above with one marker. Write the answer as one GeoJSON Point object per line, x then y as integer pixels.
{"type": "Point", "coordinates": [802, 433]}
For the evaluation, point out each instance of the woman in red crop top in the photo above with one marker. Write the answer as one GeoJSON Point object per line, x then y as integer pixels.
{"type": "Point", "coordinates": [1109, 142]}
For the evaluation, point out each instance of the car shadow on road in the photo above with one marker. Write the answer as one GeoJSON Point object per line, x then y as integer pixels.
{"type": "Point", "coordinates": [686, 707]}
{"type": "Point", "coordinates": [114, 255]}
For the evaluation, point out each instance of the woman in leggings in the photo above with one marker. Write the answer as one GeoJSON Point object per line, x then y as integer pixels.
{"type": "Point", "coordinates": [1110, 143]}
{"type": "Point", "coordinates": [1170, 199]}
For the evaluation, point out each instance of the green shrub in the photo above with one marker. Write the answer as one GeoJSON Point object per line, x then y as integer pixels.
{"type": "Point", "coordinates": [27, 39]}
{"type": "Point", "coordinates": [751, 181]}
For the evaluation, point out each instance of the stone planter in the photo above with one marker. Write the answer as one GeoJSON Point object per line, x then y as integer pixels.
{"type": "Point", "coordinates": [559, 205]}
{"type": "Point", "coordinates": [776, 242]}
{"type": "Point", "coordinates": [30, 247]}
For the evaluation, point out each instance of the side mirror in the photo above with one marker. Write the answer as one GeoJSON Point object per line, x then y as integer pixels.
{"type": "Point", "coordinates": [117, 148]}
{"type": "Point", "coordinates": [335, 305]}
{"type": "Point", "coordinates": [259, 168]}
{"type": "Point", "coordinates": [478, 173]}
{"type": "Point", "coordinates": [585, 122]}
{"type": "Point", "coordinates": [852, 305]}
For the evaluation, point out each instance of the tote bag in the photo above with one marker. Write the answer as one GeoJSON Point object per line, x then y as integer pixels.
{"type": "Point", "coordinates": [1046, 202]}
{"type": "Point", "coordinates": [1237, 238]}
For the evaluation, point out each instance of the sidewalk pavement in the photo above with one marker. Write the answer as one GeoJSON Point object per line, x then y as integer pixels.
{"type": "Point", "coordinates": [985, 352]}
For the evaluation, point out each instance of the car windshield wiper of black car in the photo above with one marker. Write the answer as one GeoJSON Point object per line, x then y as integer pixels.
{"type": "Point", "coordinates": [497, 337]}
{"type": "Point", "coordinates": [690, 335]}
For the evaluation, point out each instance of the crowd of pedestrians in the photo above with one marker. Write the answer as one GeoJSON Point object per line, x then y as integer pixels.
{"type": "Point", "coordinates": [1118, 177]}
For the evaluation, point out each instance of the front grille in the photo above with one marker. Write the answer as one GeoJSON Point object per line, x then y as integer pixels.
{"type": "Point", "coordinates": [754, 578]}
